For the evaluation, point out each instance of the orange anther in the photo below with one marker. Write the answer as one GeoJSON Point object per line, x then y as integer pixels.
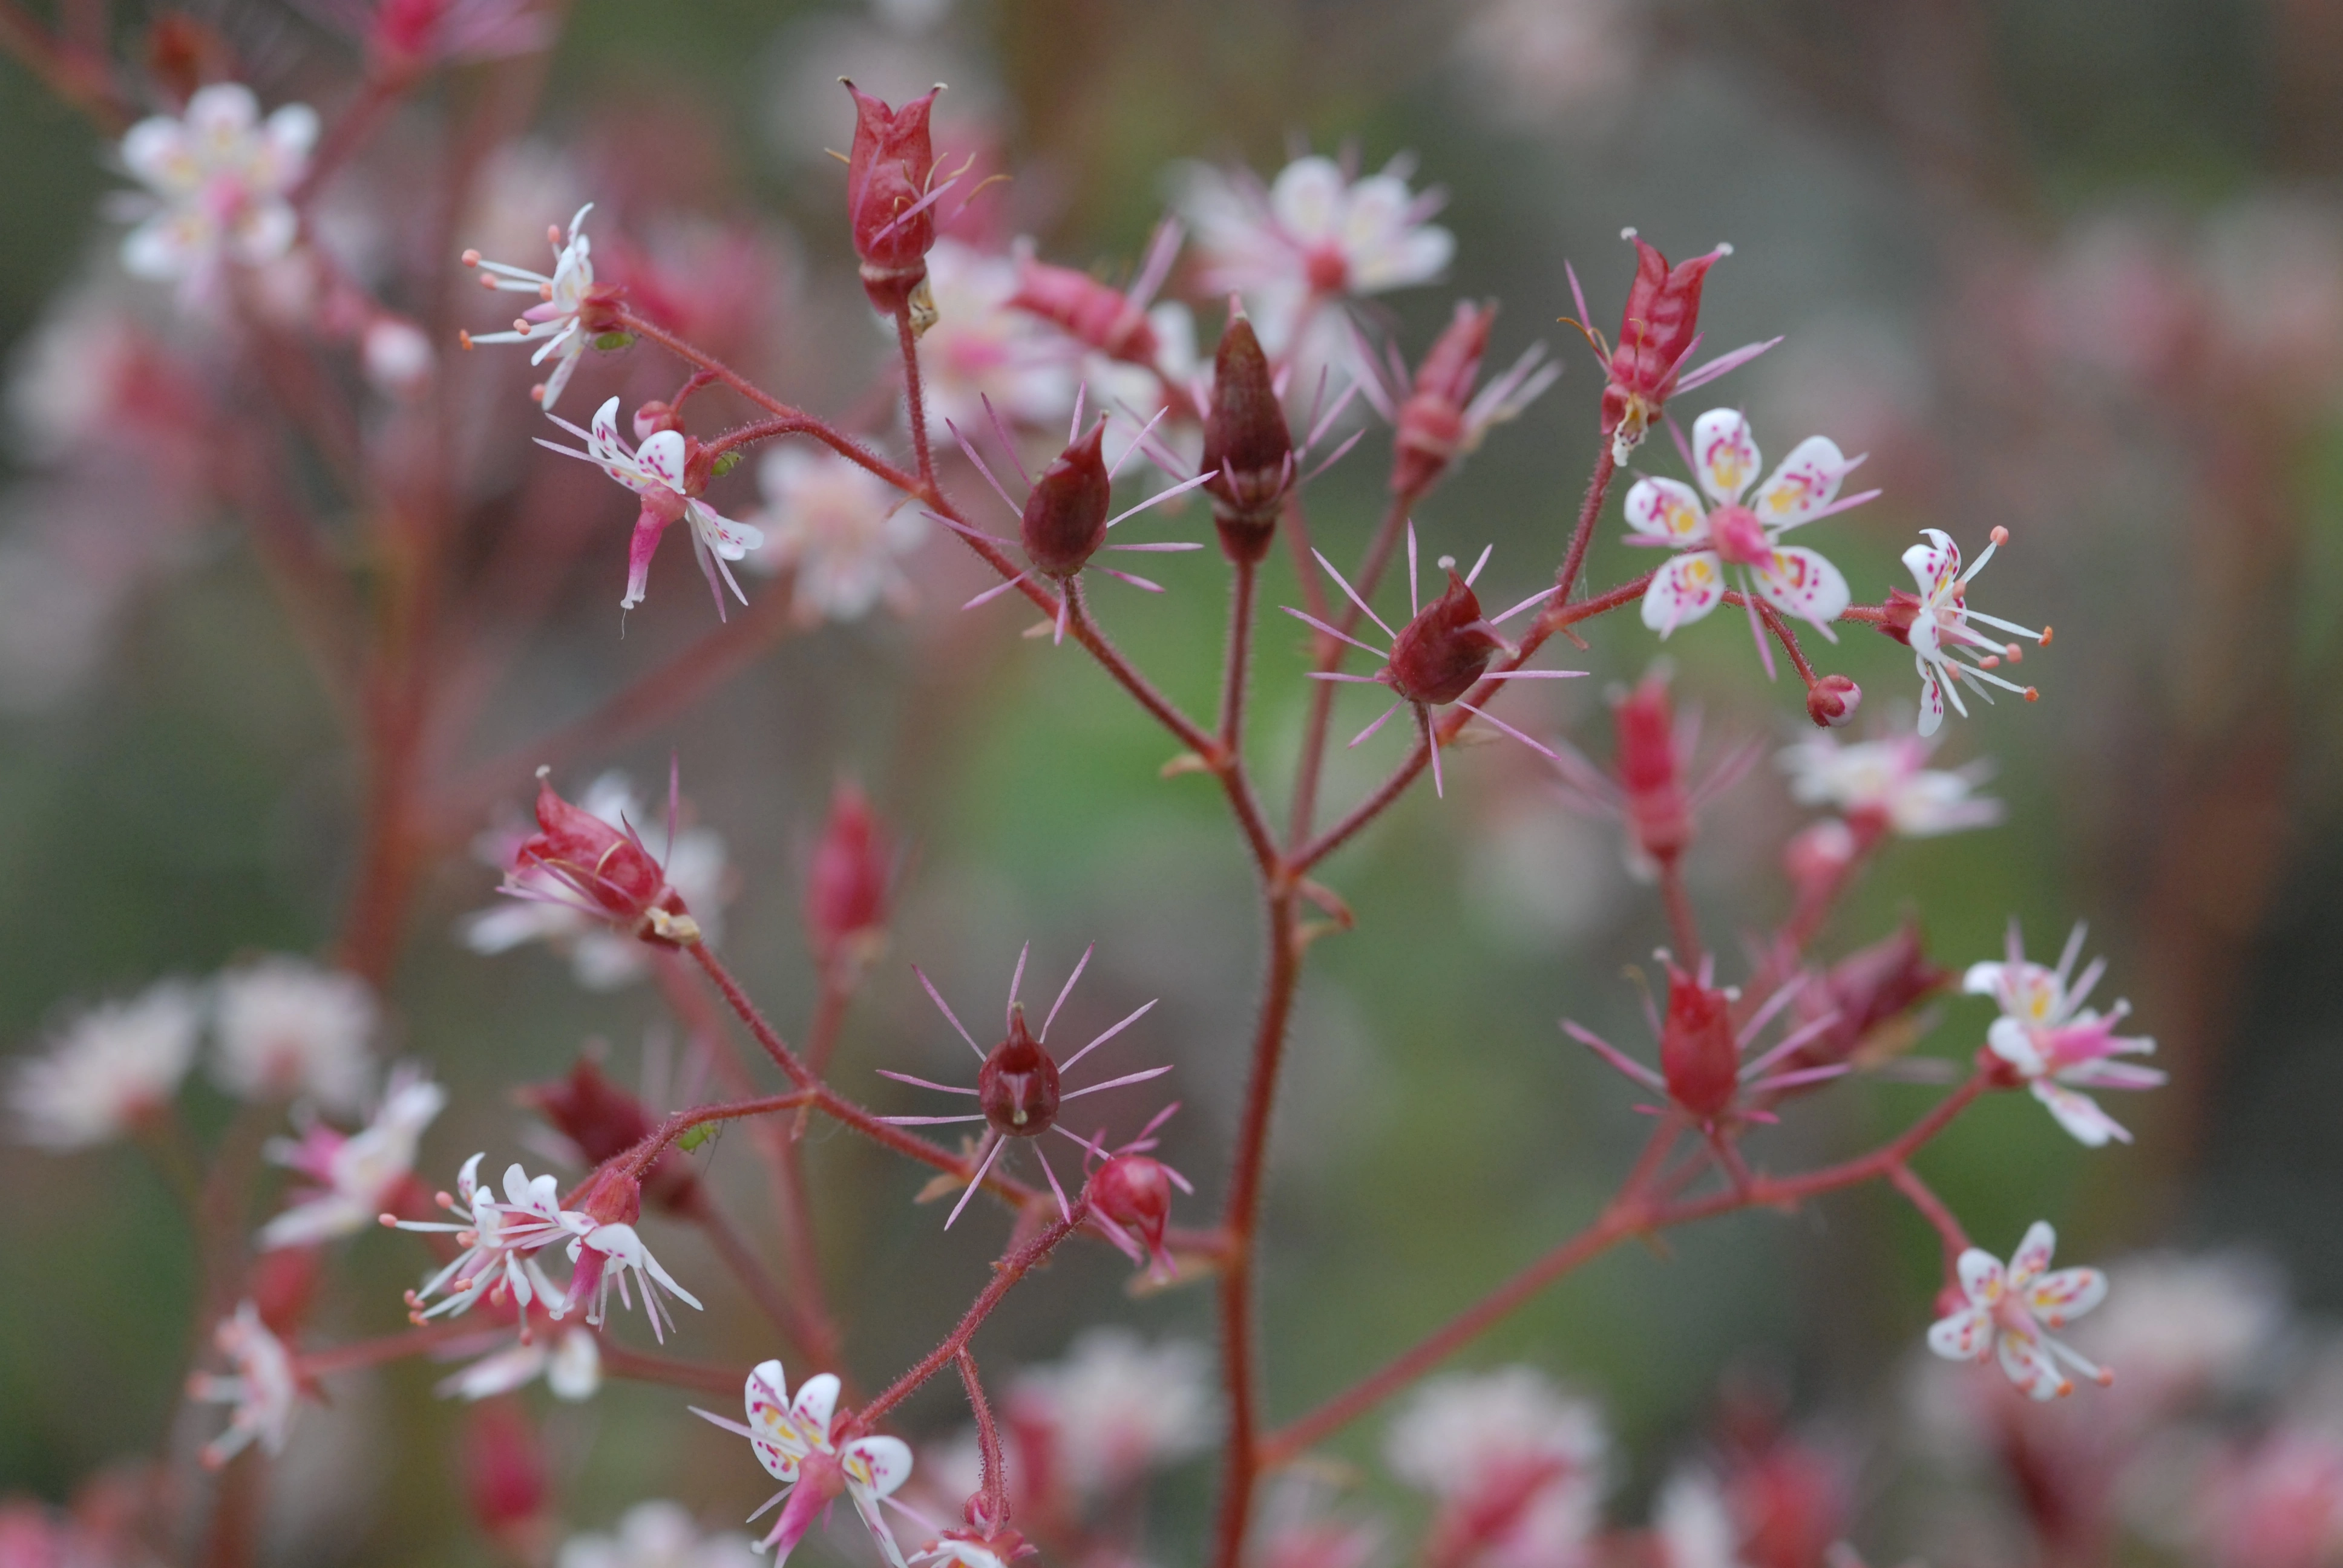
{"type": "Point", "coordinates": [2032, 695]}
{"type": "Point", "coordinates": [2046, 636]}
{"type": "Point", "coordinates": [2000, 535]}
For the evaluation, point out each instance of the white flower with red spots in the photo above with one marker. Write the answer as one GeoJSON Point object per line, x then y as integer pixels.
{"type": "Point", "coordinates": [500, 1240]}
{"type": "Point", "coordinates": [261, 1387]}
{"type": "Point", "coordinates": [2054, 1043]}
{"type": "Point", "coordinates": [839, 528]}
{"type": "Point", "coordinates": [656, 472]}
{"type": "Point", "coordinates": [285, 1029]}
{"type": "Point", "coordinates": [109, 1071]}
{"type": "Point", "coordinates": [552, 322]}
{"type": "Point", "coordinates": [219, 177]}
{"type": "Point", "coordinates": [605, 1254]}
{"type": "Point", "coordinates": [1516, 1464]}
{"type": "Point", "coordinates": [794, 1441]}
{"type": "Point", "coordinates": [2009, 1309]}
{"type": "Point", "coordinates": [1941, 627]}
{"type": "Point", "coordinates": [1889, 783]}
{"type": "Point", "coordinates": [1723, 458]}
{"type": "Point", "coordinates": [356, 1174]}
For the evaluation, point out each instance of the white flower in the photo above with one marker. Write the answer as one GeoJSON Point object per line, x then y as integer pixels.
{"type": "Point", "coordinates": [1694, 1526]}
{"type": "Point", "coordinates": [2055, 1043]}
{"type": "Point", "coordinates": [108, 1070]}
{"type": "Point", "coordinates": [793, 1442]}
{"type": "Point", "coordinates": [1118, 1407]}
{"type": "Point", "coordinates": [839, 528]}
{"type": "Point", "coordinates": [396, 355]}
{"type": "Point", "coordinates": [499, 1240]}
{"type": "Point", "coordinates": [1479, 1442]}
{"type": "Point", "coordinates": [262, 1387]}
{"type": "Point", "coordinates": [552, 322]}
{"type": "Point", "coordinates": [358, 1174]}
{"type": "Point", "coordinates": [656, 1535]}
{"type": "Point", "coordinates": [2189, 1325]}
{"type": "Point", "coordinates": [2008, 1311]}
{"type": "Point", "coordinates": [606, 1254]}
{"type": "Point", "coordinates": [1792, 579]}
{"type": "Point", "coordinates": [219, 177]}
{"type": "Point", "coordinates": [980, 350]}
{"type": "Point", "coordinates": [600, 958]}
{"type": "Point", "coordinates": [571, 1366]}
{"type": "Point", "coordinates": [283, 1029]}
{"type": "Point", "coordinates": [1886, 781]}
{"type": "Point", "coordinates": [1940, 628]}
{"type": "Point", "coordinates": [1313, 231]}
{"type": "Point", "coordinates": [656, 473]}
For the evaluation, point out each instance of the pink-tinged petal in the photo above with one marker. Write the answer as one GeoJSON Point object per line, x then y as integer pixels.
{"type": "Point", "coordinates": [2013, 1043]}
{"type": "Point", "coordinates": [1800, 582]}
{"type": "Point", "coordinates": [1667, 511]}
{"type": "Point", "coordinates": [1686, 589]}
{"type": "Point", "coordinates": [662, 456]}
{"type": "Point", "coordinates": [779, 1443]}
{"type": "Point", "coordinates": [1966, 1336]}
{"type": "Point", "coordinates": [564, 366]}
{"type": "Point", "coordinates": [816, 1402]}
{"type": "Point", "coordinates": [1804, 485]}
{"type": "Point", "coordinates": [2059, 1297]}
{"type": "Point", "coordinates": [604, 435]}
{"type": "Point", "coordinates": [1936, 564]}
{"type": "Point", "coordinates": [797, 1516]}
{"type": "Point", "coordinates": [2033, 1256]}
{"type": "Point", "coordinates": [2029, 1369]}
{"type": "Point", "coordinates": [1932, 697]}
{"type": "Point", "coordinates": [1725, 453]}
{"type": "Point", "coordinates": [884, 1462]}
{"type": "Point", "coordinates": [729, 540]}
{"type": "Point", "coordinates": [648, 525]}
{"type": "Point", "coordinates": [1307, 200]}
{"type": "Point", "coordinates": [2080, 1115]}
{"type": "Point", "coordinates": [1981, 1276]}
{"type": "Point", "coordinates": [2115, 1075]}
{"type": "Point", "coordinates": [224, 110]}
{"type": "Point", "coordinates": [156, 150]}
{"type": "Point", "coordinates": [866, 1505]}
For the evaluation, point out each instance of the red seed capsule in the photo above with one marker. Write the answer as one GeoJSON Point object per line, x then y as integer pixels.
{"type": "Point", "coordinates": [1017, 1087]}
{"type": "Point", "coordinates": [1699, 1056]}
{"type": "Point", "coordinates": [1439, 655]}
{"type": "Point", "coordinates": [1065, 516]}
{"type": "Point", "coordinates": [1248, 448]}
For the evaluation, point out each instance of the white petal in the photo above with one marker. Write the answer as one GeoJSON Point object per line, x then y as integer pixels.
{"type": "Point", "coordinates": [1932, 694]}
{"type": "Point", "coordinates": [1683, 590]}
{"type": "Point", "coordinates": [780, 1444]}
{"type": "Point", "coordinates": [2033, 1255]}
{"type": "Point", "coordinates": [156, 150]}
{"type": "Point", "coordinates": [2080, 1115]}
{"type": "Point", "coordinates": [2029, 1369]}
{"type": "Point", "coordinates": [1668, 509]}
{"type": "Point", "coordinates": [1806, 482]}
{"type": "Point", "coordinates": [1723, 453]}
{"type": "Point", "coordinates": [1307, 200]}
{"type": "Point", "coordinates": [222, 109]}
{"type": "Point", "coordinates": [2013, 1043]}
{"type": "Point", "coordinates": [1981, 1276]}
{"type": "Point", "coordinates": [1966, 1336]}
{"type": "Point", "coordinates": [2059, 1297]}
{"type": "Point", "coordinates": [1801, 582]}
{"type": "Point", "coordinates": [1936, 564]}
{"type": "Point", "coordinates": [662, 456]}
{"type": "Point", "coordinates": [888, 1460]}
{"type": "Point", "coordinates": [605, 431]}
{"type": "Point", "coordinates": [817, 1401]}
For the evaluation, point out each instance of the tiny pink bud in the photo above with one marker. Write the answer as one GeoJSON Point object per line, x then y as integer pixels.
{"type": "Point", "coordinates": [1438, 656]}
{"type": "Point", "coordinates": [1655, 333]}
{"type": "Point", "coordinates": [606, 870]}
{"type": "Point", "coordinates": [1831, 701]}
{"type": "Point", "coordinates": [1135, 1192]}
{"type": "Point", "coordinates": [1247, 449]}
{"type": "Point", "coordinates": [1065, 516]}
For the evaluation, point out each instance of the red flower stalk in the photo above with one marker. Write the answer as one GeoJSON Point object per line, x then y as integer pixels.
{"type": "Point", "coordinates": [848, 892]}
{"type": "Point", "coordinates": [1248, 448]}
{"type": "Point", "coordinates": [888, 201]}
{"type": "Point", "coordinates": [604, 870]}
{"type": "Point", "coordinates": [1658, 331]}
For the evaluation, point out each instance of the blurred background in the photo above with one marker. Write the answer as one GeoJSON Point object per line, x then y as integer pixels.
{"type": "Point", "coordinates": [2070, 266]}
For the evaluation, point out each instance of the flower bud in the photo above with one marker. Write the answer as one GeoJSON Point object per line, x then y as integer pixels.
{"type": "Point", "coordinates": [1438, 656]}
{"type": "Point", "coordinates": [1831, 701]}
{"type": "Point", "coordinates": [1655, 333]}
{"type": "Point", "coordinates": [505, 1479]}
{"type": "Point", "coordinates": [284, 1283]}
{"type": "Point", "coordinates": [1087, 311]}
{"type": "Point", "coordinates": [1862, 995]}
{"type": "Point", "coordinates": [606, 870]}
{"type": "Point", "coordinates": [1431, 423]}
{"type": "Point", "coordinates": [1698, 1055]}
{"type": "Point", "coordinates": [1650, 770]}
{"type": "Point", "coordinates": [604, 1121]}
{"type": "Point", "coordinates": [1065, 516]}
{"type": "Point", "coordinates": [1135, 1192]}
{"type": "Point", "coordinates": [1017, 1087]}
{"type": "Point", "coordinates": [1247, 449]}
{"type": "Point", "coordinates": [1902, 609]}
{"type": "Point", "coordinates": [886, 176]}
{"type": "Point", "coordinates": [847, 892]}
{"type": "Point", "coordinates": [610, 1196]}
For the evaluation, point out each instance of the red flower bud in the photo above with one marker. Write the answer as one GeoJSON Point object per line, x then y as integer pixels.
{"type": "Point", "coordinates": [1655, 333]}
{"type": "Point", "coordinates": [1438, 656]}
{"type": "Point", "coordinates": [284, 1283]}
{"type": "Point", "coordinates": [847, 893]}
{"type": "Point", "coordinates": [1135, 1192]}
{"type": "Point", "coordinates": [1431, 423]}
{"type": "Point", "coordinates": [1017, 1087]}
{"type": "Point", "coordinates": [1699, 1056]}
{"type": "Point", "coordinates": [1902, 609]}
{"type": "Point", "coordinates": [1088, 311]}
{"type": "Point", "coordinates": [1831, 701]}
{"type": "Point", "coordinates": [604, 1121]}
{"type": "Point", "coordinates": [1065, 516]}
{"type": "Point", "coordinates": [1862, 993]}
{"type": "Point", "coordinates": [505, 1478]}
{"type": "Point", "coordinates": [886, 176]}
{"type": "Point", "coordinates": [1247, 449]}
{"type": "Point", "coordinates": [1650, 768]}
{"type": "Point", "coordinates": [606, 870]}
{"type": "Point", "coordinates": [610, 1196]}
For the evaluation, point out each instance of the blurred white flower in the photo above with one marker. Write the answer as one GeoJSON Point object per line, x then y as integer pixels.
{"type": "Point", "coordinates": [108, 1070]}
{"type": "Point", "coordinates": [1517, 1464]}
{"type": "Point", "coordinates": [285, 1029]}
{"type": "Point", "coordinates": [2189, 1324]}
{"type": "Point", "coordinates": [1887, 780]}
{"type": "Point", "coordinates": [219, 178]}
{"type": "Point", "coordinates": [571, 1366]}
{"type": "Point", "coordinates": [1117, 1407]}
{"type": "Point", "coordinates": [839, 528]}
{"type": "Point", "coordinates": [261, 1387]}
{"type": "Point", "coordinates": [358, 1174]}
{"type": "Point", "coordinates": [396, 355]}
{"type": "Point", "coordinates": [980, 348]}
{"type": "Point", "coordinates": [1694, 1526]}
{"type": "Point", "coordinates": [601, 958]}
{"type": "Point", "coordinates": [658, 1534]}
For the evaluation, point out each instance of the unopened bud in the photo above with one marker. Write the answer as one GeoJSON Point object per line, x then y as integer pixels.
{"type": "Point", "coordinates": [1698, 1055]}
{"type": "Point", "coordinates": [1651, 769]}
{"type": "Point", "coordinates": [1438, 656]}
{"type": "Point", "coordinates": [603, 1121]}
{"type": "Point", "coordinates": [1831, 701]}
{"type": "Point", "coordinates": [1431, 423]}
{"type": "Point", "coordinates": [1087, 311]}
{"type": "Point", "coordinates": [654, 416]}
{"type": "Point", "coordinates": [1065, 516]}
{"type": "Point", "coordinates": [505, 1478]}
{"type": "Point", "coordinates": [1247, 449]}
{"type": "Point", "coordinates": [847, 890]}
{"type": "Point", "coordinates": [607, 870]}
{"type": "Point", "coordinates": [284, 1283]}
{"type": "Point", "coordinates": [1135, 1192]}
{"type": "Point", "coordinates": [1655, 333]}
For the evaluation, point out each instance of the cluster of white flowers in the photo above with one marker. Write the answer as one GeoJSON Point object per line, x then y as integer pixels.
{"type": "Point", "coordinates": [1887, 782]}
{"type": "Point", "coordinates": [1508, 1451]}
{"type": "Point", "coordinates": [1118, 1407]}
